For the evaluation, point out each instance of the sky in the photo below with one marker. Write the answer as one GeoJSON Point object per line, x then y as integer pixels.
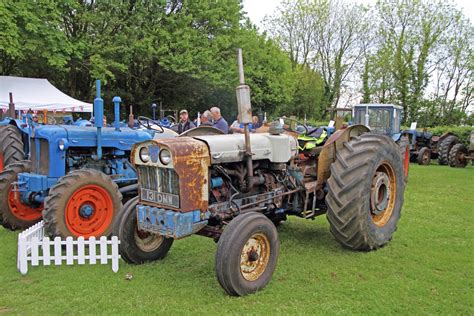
{"type": "Point", "coordinates": [257, 9]}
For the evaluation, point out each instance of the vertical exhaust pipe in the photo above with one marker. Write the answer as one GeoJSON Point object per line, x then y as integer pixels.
{"type": "Point", "coordinates": [99, 118]}
{"type": "Point", "coordinates": [245, 111]}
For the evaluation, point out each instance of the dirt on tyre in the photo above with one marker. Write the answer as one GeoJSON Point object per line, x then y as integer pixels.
{"type": "Point", "coordinates": [14, 214]}
{"type": "Point", "coordinates": [11, 146]}
{"type": "Point", "coordinates": [82, 203]}
{"type": "Point", "coordinates": [247, 254]}
{"type": "Point", "coordinates": [445, 148]}
{"type": "Point", "coordinates": [424, 156]}
{"type": "Point", "coordinates": [365, 194]}
{"type": "Point", "coordinates": [457, 156]}
{"type": "Point", "coordinates": [137, 246]}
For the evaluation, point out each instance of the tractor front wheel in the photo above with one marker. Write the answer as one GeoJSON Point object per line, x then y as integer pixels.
{"type": "Point", "coordinates": [82, 203]}
{"type": "Point", "coordinates": [365, 192]}
{"type": "Point", "coordinates": [11, 146]}
{"type": "Point", "coordinates": [457, 156]}
{"type": "Point", "coordinates": [14, 214]}
{"type": "Point", "coordinates": [138, 246]}
{"type": "Point", "coordinates": [247, 254]}
{"type": "Point", "coordinates": [424, 156]}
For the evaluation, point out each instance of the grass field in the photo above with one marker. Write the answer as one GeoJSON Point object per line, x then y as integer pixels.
{"type": "Point", "coordinates": [427, 268]}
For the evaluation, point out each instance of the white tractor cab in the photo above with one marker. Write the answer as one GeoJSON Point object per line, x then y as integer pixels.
{"type": "Point", "coordinates": [382, 119]}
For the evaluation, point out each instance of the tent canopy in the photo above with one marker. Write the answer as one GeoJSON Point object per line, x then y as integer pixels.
{"type": "Point", "coordinates": [37, 94]}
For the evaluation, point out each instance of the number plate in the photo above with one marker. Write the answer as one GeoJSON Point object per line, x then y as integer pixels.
{"type": "Point", "coordinates": [159, 198]}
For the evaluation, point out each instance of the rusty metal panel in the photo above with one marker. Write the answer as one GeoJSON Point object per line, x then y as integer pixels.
{"type": "Point", "coordinates": [190, 161]}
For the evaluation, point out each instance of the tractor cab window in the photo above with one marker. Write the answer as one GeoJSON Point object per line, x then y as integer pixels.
{"type": "Point", "coordinates": [359, 116]}
{"type": "Point", "coordinates": [379, 121]}
{"type": "Point", "coordinates": [396, 121]}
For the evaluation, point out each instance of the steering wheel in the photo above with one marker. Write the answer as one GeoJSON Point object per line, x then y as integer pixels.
{"type": "Point", "coordinates": [145, 122]}
{"type": "Point", "coordinates": [294, 120]}
{"type": "Point", "coordinates": [172, 119]}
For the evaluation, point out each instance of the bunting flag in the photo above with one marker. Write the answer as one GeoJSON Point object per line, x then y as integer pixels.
{"type": "Point", "coordinates": [64, 110]}
{"type": "Point", "coordinates": [54, 111]}
{"type": "Point", "coordinates": [82, 108]}
{"type": "Point", "coordinates": [73, 109]}
{"type": "Point", "coordinates": [4, 110]}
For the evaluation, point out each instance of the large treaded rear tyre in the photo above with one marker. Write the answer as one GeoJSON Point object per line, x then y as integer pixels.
{"type": "Point", "coordinates": [456, 156]}
{"type": "Point", "coordinates": [445, 148]}
{"type": "Point", "coordinates": [136, 246]}
{"type": "Point", "coordinates": [11, 146]}
{"type": "Point", "coordinates": [366, 189]}
{"type": "Point", "coordinates": [82, 203]}
{"type": "Point", "coordinates": [247, 254]}
{"type": "Point", "coordinates": [13, 213]}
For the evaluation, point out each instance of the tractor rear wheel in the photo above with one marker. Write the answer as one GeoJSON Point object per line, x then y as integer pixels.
{"type": "Point", "coordinates": [11, 146]}
{"type": "Point", "coordinates": [456, 156]}
{"type": "Point", "coordinates": [424, 156]}
{"type": "Point", "coordinates": [247, 254]}
{"type": "Point", "coordinates": [445, 148]}
{"type": "Point", "coordinates": [138, 246]}
{"type": "Point", "coordinates": [82, 203]}
{"type": "Point", "coordinates": [14, 214]}
{"type": "Point", "coordinates": [366, 189]}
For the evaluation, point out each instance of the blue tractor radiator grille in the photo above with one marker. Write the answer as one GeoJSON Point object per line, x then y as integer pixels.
{"type": "Point", "coordinates": [39, 156]}
{"type": "Point", "coordinates": [163, 180]}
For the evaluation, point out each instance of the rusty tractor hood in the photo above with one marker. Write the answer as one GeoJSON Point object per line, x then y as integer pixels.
{"type": "Point", "coordinates": [186, 174]}
{"type": "Point", "coordinates": [231, 148]}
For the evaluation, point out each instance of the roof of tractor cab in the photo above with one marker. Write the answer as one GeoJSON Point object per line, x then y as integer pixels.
{"type": "Point", "coordinates": [378, 105]}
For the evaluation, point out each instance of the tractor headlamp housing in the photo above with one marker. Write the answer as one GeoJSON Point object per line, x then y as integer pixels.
{"type": "Point", "coordinates": [165, 156]}
{"type": "Point", "coordinates": [144, 154]}
{"type": "Point", "coordinates": [62, 144]}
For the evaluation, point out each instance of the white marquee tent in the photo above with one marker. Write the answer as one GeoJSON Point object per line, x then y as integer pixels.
{"type": "Point", "coordinates": [37, 95]}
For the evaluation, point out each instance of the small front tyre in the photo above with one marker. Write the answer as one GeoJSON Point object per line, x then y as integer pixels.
{"type": "Point", "coordinates": [247, 254]}
{"type": "Point", "coordinates": [82, 203]}
{"type": "Point", "coordinates": [138, 246]}
{"type": "Point", "coordinates": [424, 156]}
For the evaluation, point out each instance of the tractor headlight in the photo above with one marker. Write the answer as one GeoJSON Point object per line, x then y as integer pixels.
{"type": "Point", "coordinates": [165, 156]}
{"type": "Point", "coordinates": [62, 144]}
{"type": "Point", "coordinates": [144, 154]}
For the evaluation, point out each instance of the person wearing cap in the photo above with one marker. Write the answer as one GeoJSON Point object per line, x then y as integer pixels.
{"type": "Point", "coordinates": [184, 122]}
{"type": "Point", "coordinates": [219, 121]}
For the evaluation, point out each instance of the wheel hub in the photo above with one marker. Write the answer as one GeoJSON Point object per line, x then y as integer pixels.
{"type": "Point", "coordinates": [86, 210]}
{"type": "Point", "coordinates": [147, 242]}
{"type": "Point", "coordinates": [379, 197]}
{"type": "Point", "coordinates": [254, 257]}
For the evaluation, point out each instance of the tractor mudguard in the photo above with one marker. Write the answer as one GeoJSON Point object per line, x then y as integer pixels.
{"type": "Point", "coordinates": [328, 154]}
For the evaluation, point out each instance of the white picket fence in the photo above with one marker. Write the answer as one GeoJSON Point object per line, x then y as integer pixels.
{"type": "Point", "coordinates": [34, 247]}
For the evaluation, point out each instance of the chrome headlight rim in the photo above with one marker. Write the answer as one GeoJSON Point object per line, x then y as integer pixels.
{"type": "Point", "coordinates": [165, 156]}
{"type": "Point", "coordinates": [144, 154]}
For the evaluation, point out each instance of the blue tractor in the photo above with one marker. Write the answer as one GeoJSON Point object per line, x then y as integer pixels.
{"type": "Point", "coordinates": [382, 119]}
{"type": "Point", "coordinates": [76, 175]}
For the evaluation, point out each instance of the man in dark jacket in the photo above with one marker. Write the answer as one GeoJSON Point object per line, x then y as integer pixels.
{"type": "Point", "coordinates": [184, 122]}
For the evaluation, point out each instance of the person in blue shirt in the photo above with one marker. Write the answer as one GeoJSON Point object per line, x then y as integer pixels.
{"type": "Point", "coordinates": [219, 121]}
{"type": "Point", "coordinates": [238, 127]}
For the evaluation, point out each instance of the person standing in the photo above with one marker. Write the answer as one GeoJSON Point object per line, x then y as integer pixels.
{"type": "Point", "coordinates": [219, 121]}
{"type": "Point", "coordinates": [184, 122]}
{"type": "Point", "coordinates": [206, 118]}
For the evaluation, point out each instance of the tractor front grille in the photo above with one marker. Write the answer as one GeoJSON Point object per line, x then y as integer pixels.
{"type": "Point", "coordinates": [164, 180]}
{"type": "Point", "coordinates": [39, 156]}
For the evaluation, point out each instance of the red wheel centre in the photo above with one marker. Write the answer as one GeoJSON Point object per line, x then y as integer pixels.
{"type": "Point", "coordinates": [20, 210]}
{"type": "Point", "coordinates": [89, 211]}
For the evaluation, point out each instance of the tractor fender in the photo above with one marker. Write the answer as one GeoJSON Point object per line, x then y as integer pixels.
{"type": "Point", "coordinates": [328, 153]}
{"type": "Point", "coordinates": [442, 137]}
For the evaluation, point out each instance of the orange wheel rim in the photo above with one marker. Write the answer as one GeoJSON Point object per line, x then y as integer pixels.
{"type": "Point", "coordinates": [383, 194]}
{"type": "Point", "coordinates": [2, 166]}
{"type": "Point", "coordinates": [20, 210]}
{"type": "Point", "coordinates": [89, 211]}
